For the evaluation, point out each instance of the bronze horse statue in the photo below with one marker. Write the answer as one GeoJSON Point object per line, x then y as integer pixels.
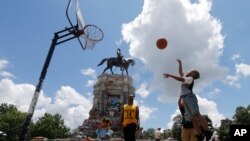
{"type": "Point", "coordinates": [113, 61]}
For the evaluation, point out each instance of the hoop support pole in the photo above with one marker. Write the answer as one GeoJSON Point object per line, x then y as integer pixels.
{"type": "Point", "coordinates": [26, 123]}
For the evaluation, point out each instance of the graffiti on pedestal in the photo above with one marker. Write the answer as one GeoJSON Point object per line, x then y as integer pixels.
{"type": "Point", "coordinates": [109, 95]}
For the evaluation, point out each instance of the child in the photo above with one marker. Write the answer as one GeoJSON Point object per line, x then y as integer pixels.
{"type": "Point", "coordinates": [104, 132]}
{"type": "Point", "coordinates": [188, 98]}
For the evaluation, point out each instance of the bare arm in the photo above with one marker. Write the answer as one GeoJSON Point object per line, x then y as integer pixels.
{"type": "Point", "coordinates": [166, 75]}
{"type": "Point", "coordinates": [137, 113]}
{"type": "Point", "coordinates": [137, 117]}
{"type": "Point", "coordinates": [180, 67]}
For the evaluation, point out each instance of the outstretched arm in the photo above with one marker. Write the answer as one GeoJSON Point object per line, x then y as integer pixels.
{"type": "Point", "coordinates": [166, 75]}
{"type": "Point", "coordinates": [180, 67]}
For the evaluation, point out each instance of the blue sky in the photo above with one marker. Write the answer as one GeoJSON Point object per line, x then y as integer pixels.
{"type": "Point", "coordinates": [211, 36]}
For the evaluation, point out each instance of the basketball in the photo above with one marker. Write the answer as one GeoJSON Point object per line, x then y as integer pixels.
{"type": "Point", "coordinates": [161, 43]}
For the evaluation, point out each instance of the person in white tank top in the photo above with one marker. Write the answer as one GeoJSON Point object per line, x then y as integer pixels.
{"type": "Point", "coordinates": [188, 98]}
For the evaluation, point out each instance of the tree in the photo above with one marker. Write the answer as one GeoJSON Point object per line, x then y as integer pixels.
{"type": "Point", "coordinates": [149, 133]}
{"type": "Point", "coordinates": [10, 121]}
{"type": "Point", "coordinates": [167, 133]}
{"type": "Point", "coordinates": [176, 128]}
{"type": "Point", "coordinates": [50, 126]}
{"type": "Point", "coordinates": [242, 115]}
{"type": "Point", "coordinates": [223, 130]}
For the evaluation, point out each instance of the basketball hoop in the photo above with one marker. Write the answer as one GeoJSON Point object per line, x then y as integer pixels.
{"type": "Point", "coordinates": [91, 35]}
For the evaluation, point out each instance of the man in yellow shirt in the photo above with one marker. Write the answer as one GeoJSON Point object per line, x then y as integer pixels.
{"type": "Point", "coordinates": [130, 119]}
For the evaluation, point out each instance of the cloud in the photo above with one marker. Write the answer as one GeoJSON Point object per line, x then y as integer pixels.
{"type": "Point", "coordinates": [6, 74]}
{"type": "Point", "coordinates": [214, 92]}
{"type": "Point", "coordinates": [143, 90]}
{"type": "Point", "coordinates": [235, 57]}
{"type": "Point", "coordinates": [90, 83]}
{"type": "Point", "coordinates": [73, 107]}
{"type": "Point", "coordinates": [206, 107]}
{"type": "Point", "coordinates": [243, 69]}
{"type": "Point", "coordinates": [92, 73]}
{"type": "Point", "coordinates": [233, 80]}
{"type": "Point", "coordinates": [119, 42]}
{"type": "Point", "coordinates": [146, 112]}
{"type": "Point", "coordinates": [20, 95]}
{"type": "Point", "coordinates": [89, 72]}
{"type": "Point", "coordinates": [3, 65]}
{"type": "Point", "coordinates": [193, 34]}
{"type": "Point", "coordinates": [209, 108]}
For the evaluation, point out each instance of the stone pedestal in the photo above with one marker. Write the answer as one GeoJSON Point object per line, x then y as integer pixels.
{"type": "Point", "coordinates": [110, 93]}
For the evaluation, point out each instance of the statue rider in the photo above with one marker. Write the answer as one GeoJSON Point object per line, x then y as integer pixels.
{"type": "Point", "coordinates": [119, 55]}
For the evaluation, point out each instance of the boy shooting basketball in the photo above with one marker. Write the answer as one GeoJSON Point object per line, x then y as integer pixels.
{"type": "Point", "coordinates": [188, 98]}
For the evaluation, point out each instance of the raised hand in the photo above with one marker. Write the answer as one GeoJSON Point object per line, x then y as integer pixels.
{"type": "Point", "coordinates": [180, 67]}
{"type": "Point", "coordinates": [178, 60]}
{"type": "Point", "coordinates": [166, 75]}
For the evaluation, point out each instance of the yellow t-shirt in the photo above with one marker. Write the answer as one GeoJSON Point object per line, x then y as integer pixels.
{"type": "Point", "coordinates": [129, 115]}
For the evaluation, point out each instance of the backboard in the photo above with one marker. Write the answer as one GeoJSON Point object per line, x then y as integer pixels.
{"type": "Point", "coordinates": [87, 34]}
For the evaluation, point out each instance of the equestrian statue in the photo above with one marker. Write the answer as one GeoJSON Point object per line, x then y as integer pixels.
{"type": "Point", "coordinates": [118, 61]}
